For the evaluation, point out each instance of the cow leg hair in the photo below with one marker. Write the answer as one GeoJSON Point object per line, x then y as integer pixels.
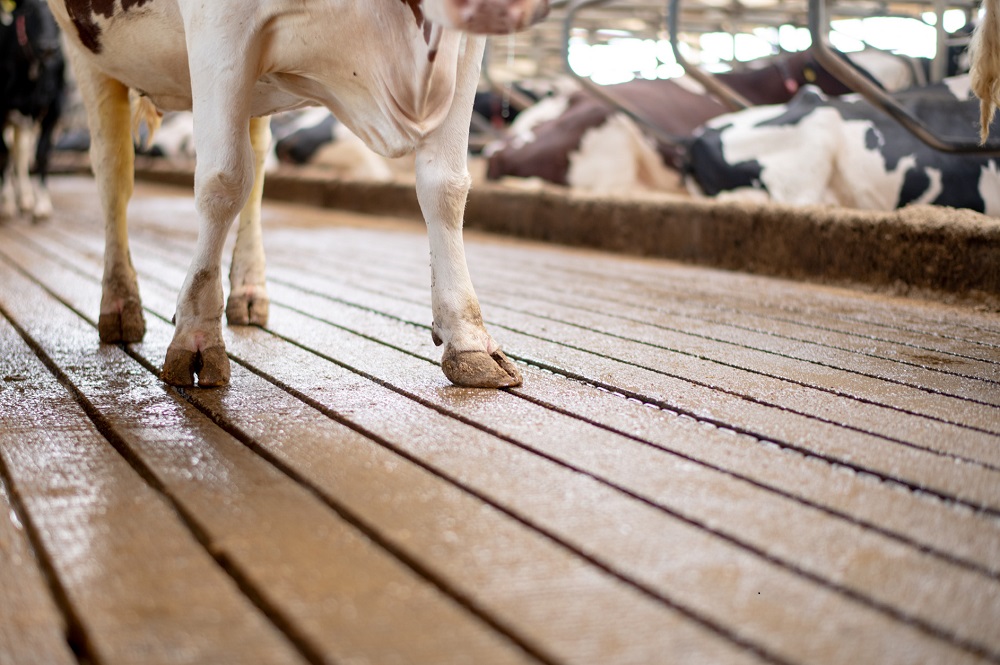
{"type": "Point", "coordinates": [248, 301]}
{"type": "Point", "coordinates": [223, 181]}
{"type": "Point", "coordinates": [471, 356]}
{"type": "Point", "coordinates": [112, 158]}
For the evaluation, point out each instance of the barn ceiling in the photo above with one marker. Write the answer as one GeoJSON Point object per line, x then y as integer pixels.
{"type": "Point", "coordinates": [539, 52]}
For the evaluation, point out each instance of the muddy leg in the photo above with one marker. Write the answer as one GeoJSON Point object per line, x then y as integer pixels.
{"type": "Point", "coordinates": [471, 356]}
{"type": "Point", "coordinates": [112, 158]}
{"type": "Point", "coordinates": [221, 78]}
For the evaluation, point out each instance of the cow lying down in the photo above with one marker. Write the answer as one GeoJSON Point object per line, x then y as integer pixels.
{"type": "Point", "coordinates": [401, 74]}
{"type": "Point", "coordinates": [315, 137]}
{"type": "Point", "coordinates": [843, 151]}
{"type": "Point", "coordinates": [581, 141]}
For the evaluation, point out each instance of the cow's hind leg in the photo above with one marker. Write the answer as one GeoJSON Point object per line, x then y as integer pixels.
{"type": "Point", "coordinates": [112, 159]}
{"type": "Point", "coordinates": [248, 301]}
{"type": "Point", "coordinates": [471, 356]}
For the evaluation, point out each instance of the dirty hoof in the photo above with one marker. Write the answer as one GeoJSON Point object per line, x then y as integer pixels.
{"type": "Point", "coordinates": [127, 325]}
{"type": "Point", "coordinates": [247, 310]}
{"type": "Point", "coordinates": [476, 369]}
{"type": "Point", "coordinates": [211, 367]}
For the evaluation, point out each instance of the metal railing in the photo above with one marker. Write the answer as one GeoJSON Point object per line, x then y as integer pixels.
{"type": "Point", "coordinates": [819, 29]}
{"type": "Point", "coordinates": [837, 67]}
{"type": "Point", "coordinates": [600, 91]}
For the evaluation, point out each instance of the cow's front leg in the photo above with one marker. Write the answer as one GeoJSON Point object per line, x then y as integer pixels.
{"type": "Point", "coordinates": [222, 183]}
{"type": "Point", "coordinates": [221, 76]}
{"type": "Point", "coordinates": [112, 157]}
{"type": "Point", "coordinates": [248, 301]}
{"type": "Point", "coordinates": [471, 357]}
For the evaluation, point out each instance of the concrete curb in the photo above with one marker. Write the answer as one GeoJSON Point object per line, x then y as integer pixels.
{"type": "Point", "coordinates": [943, 253]}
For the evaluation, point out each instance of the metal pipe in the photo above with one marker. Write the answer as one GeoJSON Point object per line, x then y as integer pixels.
{"type": "Point", "coordinates": [599, 91]}
{"type": "Point", "coordinates": [819, 28]}
{"type": "Point", "coordinates": [939, 66]}
{"type": "Point", "coordinates": [729, 97]}
{"type": "Point", "coordinates": [517, 99]}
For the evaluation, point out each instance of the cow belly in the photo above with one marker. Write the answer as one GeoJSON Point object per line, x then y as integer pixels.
{"type": "Point", "coordinates": [320, 52]}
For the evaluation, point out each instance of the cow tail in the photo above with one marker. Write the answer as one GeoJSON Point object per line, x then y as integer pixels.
{"type": "Point", "coordinates": [985, 72]}
{"type": "Point", "coordinates": [144, 111]}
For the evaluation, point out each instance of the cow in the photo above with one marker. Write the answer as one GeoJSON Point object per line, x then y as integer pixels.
{"type": "Point", "coordinates": [171, 137]}
{"type": "Point", "coordinates": [552, 141]}
{"type": "Point", "coordinates": [305, 135]}
{"type": "Point", "coordinates": [401, 74]}
{"type": "Point", "coordinates": [32, 85]}
{"type": "Point", "coordinates": [844, 151]}
{"type": "Point", "coordinates": [316, 137]}
{"type": "Point", "coordinates": [562, 142]}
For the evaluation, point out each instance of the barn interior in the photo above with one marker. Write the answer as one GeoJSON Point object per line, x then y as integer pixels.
{"type": "Point", "coordinates": [930, 37]}
{"type": "Point", "coordinates": [542, 51]}
{"type": "Point", "coordinates": [750, 430]}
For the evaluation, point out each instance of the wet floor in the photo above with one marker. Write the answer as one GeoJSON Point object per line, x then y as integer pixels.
{"type": "Point", "coordinates": [701, 466]}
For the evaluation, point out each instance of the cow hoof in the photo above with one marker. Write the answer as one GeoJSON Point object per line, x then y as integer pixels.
{"type": "Point", "coordinates": [247, 310]}
{"type": "Point", "coordinates": [477, 369]}
{"type": "Point", "coordinates": [127, 326]}
{"type": "Point", "coordinates": [211, 367]}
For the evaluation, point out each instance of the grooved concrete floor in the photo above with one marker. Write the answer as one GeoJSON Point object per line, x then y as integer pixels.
{"type": "Point", "coordinates": [701, 467]}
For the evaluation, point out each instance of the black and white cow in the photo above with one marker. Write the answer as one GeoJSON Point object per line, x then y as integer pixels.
{"type": "Point", "coordinates": [32, 85]}
{"type": "Point", "coordinates": [843, 151]}
{"type": "Point", "coordinates": [315, 137]}
{"type": "Point", "coordinates": [582, 141]}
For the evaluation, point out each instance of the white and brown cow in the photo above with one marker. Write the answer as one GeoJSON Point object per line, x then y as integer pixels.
{"type": "Point", "coordinates": [401, 74]}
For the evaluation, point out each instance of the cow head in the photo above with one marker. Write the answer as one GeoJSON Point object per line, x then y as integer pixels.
{"type": "Point", "coordinates": [492, 17]}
